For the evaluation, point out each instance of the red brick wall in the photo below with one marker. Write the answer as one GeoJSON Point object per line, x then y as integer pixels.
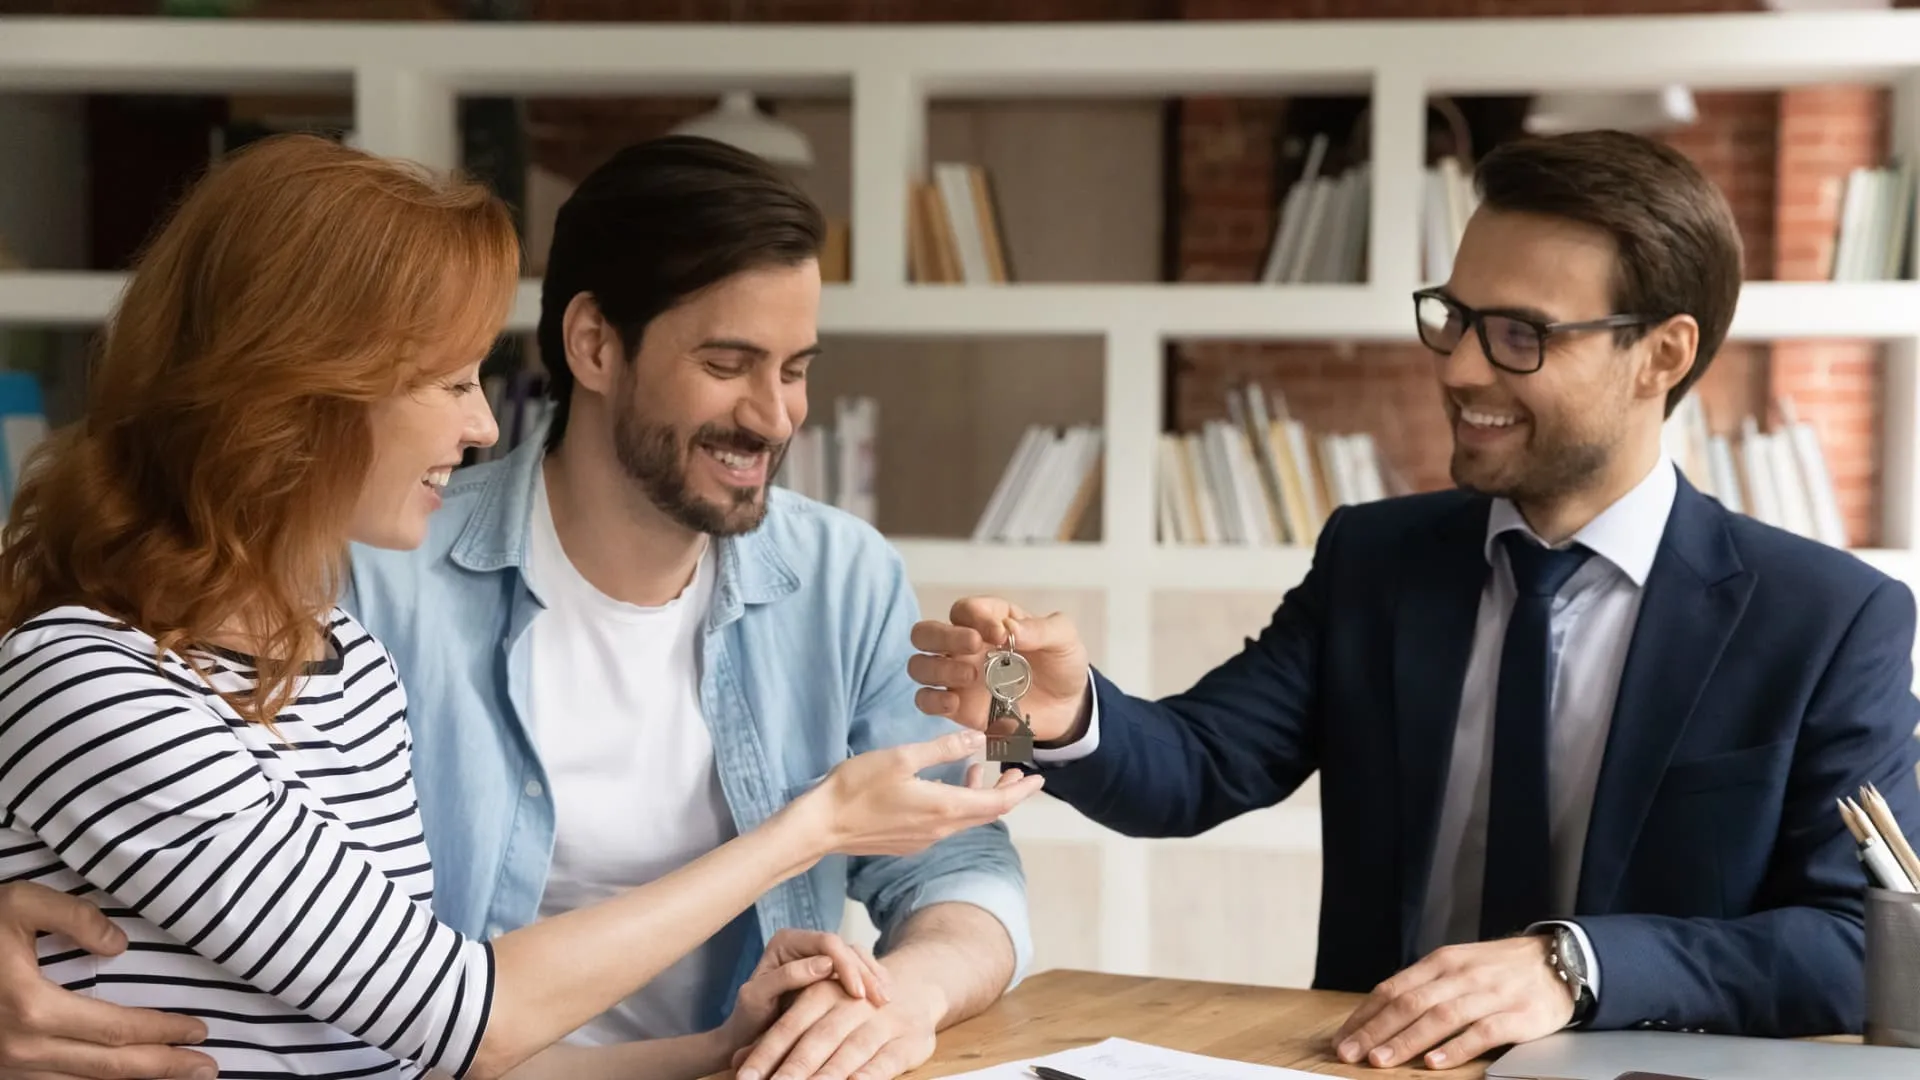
{"type": "Point", "coordinates": [1736, 145]}
{"type": "Point", "coordinates": [1823, 132]}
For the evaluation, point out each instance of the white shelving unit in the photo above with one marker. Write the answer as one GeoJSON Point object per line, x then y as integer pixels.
{"type": "Point", "coordinates": [1768, 310]}
{"type": "Point", "coordinates": [407, 78]}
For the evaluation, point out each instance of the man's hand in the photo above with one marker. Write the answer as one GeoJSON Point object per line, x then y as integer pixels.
{"type": "Point", "coordinates": [1464, 1000]}
{"type": "Point", "coordinates": [47, 1032]}
{"type": "Point", "coordinates": [952, 655]}
{"type": "Point", "coordinates": [826, 1034]}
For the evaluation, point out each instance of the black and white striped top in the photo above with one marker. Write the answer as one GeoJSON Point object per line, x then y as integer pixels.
{"type": "Point", "coordinates": [276, 887]}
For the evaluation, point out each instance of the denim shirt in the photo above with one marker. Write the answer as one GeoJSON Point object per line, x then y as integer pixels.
{"type": "Point", "coordinates": [804, 663]}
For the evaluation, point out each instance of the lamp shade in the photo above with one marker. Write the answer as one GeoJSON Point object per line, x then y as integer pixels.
{"type": "Point", "coordinates": [1646, 112]}
{"type": "Point", "coordinates": [738, 121]}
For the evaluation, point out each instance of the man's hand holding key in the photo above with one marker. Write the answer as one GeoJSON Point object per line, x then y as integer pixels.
{"type": "Point", "coordinates": [953, 659]}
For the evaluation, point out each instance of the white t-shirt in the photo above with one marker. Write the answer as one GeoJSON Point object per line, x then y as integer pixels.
{"type": "Point", "coordinates": [616, 716]}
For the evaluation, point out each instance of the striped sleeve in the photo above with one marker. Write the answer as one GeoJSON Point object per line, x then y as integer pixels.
{"type": "Point", "coordinates": [136, 782]}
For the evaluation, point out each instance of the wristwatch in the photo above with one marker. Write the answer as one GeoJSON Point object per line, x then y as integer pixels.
{"type": "Point", "coordinates": [1570, 964]}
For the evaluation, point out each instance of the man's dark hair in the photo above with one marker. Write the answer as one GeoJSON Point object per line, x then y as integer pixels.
{"type": "Point", "coordinates": [656, 223]}
{"type": "Point", "coordinates": [1678, 247]}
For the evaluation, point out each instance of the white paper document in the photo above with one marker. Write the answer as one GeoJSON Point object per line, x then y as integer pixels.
{"type": "Point", "coordinates": [1122, 1059]}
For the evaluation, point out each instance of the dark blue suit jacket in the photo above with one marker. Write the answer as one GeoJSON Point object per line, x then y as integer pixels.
{"type": "Point", "coordinates": [1767, 676]}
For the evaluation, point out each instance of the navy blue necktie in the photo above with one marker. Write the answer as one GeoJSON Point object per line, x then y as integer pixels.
{"type": "Point", "coordinates": [1517, 889]}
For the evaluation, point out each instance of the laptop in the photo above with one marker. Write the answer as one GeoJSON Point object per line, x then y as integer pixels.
{"type": "Point", "coordinates": [1610, 1055]}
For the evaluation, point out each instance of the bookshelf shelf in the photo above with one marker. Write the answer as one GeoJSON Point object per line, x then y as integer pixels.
{"type": "Point", "coordinates": [1776, 310]}
{"type": "Point", "coordinates": [58, 297]}
{"type": "Point", "coordinates": [1223, 567]}
{"type": "Point", "coordinates": [964, 563]}
{"type": "Point", "coordinates": [1163, 567]}
{"type": "Point", "coordinates": [1182, 310]}
{"type": "Point", "coordinates": [981, 61]}
{"type": "Point", "coordinates": [1768, 310]}
{"type": "Point", "coordinates": [1284, 828]}
{"type": "Point", "coordinates": [1098, 565]}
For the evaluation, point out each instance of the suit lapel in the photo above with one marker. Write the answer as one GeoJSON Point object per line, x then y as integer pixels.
{"type": "Point", "coordinates": [1438, 603]}
{"type": "Point", "coordinates": [1693, 600]}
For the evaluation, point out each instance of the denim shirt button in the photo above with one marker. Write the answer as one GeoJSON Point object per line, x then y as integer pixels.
{"type": "Point", "coordinates": [534, 790]}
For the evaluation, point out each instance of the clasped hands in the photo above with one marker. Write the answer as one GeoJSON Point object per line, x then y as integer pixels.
{"type": "Point", "coordinates": [817, 1008]}
{"type": "Point", "coordinates": [1458, 1003]}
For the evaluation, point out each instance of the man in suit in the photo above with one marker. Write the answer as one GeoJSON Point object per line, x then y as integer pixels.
{"type": "Point", "coordinates": [1580, 730]}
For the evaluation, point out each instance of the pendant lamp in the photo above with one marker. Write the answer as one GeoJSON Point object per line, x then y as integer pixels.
{"type": "Point", "coordinates": [738, 121]}
{"type": "Point", "coordinates": [1647, 112]}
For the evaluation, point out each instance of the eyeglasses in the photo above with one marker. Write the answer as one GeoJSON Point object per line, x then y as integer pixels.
{"type": "Point", "coordinates": [1511, 342]}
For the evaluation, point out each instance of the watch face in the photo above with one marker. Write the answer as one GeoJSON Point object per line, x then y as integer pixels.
{"type": "Point", "coordinates": [1570, 955]}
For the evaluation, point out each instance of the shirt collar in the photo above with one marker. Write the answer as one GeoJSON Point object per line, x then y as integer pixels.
{"type": "Point", "coordinates": [1626, 534]}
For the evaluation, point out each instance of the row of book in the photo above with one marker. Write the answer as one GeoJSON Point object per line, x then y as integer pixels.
{"type": "Point", "coordinates": [1260, 477]}
{"type": "Point", "coordinates": [1779, 475]}
{"type": "Point", "coordinates": [834, 463]}
{"type": "Point", "coordinates": [1448, 201]}
{"type": "Point", "coordinates": [1872, 237]}
{"type": "Point", "coordinates": [1047, 487]}
{"type": "Point", "coordinates": [1321, 234]}
{"type": "Point", "coordinates": [953, 228]}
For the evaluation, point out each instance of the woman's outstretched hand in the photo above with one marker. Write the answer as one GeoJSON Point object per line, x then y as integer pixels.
{"type": "Point", "coordinates": [876, 803]}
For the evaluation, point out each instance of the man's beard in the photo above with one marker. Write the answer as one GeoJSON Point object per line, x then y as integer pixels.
{"type": "Point", "coordinates": [651, 454]}
{"type": "Point", "coordinates": [1547, 471]}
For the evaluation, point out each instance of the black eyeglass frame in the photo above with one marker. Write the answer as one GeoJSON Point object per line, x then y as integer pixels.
{"type": "Point", "coordinates": [1476, 320]}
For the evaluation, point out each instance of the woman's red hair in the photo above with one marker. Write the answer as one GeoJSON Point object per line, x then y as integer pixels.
{"type": "Point", "coordinates": [226, 437]}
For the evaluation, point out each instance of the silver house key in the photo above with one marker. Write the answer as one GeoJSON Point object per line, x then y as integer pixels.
{"type": "Point", "coordinates": [1007, 679]}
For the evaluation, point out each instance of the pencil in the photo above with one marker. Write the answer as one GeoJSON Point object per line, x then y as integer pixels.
{"type": "Point", "coordinates": [1846, 815]}
{"type": "Point", "coordinates": [1882, 867]}
{"type": "Point", "coordinates": [1890, 832]}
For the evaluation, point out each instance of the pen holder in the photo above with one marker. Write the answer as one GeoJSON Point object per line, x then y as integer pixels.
{"type": "Point", "coordinates": [1893, 968]}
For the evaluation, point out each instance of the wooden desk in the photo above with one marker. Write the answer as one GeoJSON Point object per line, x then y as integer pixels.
{"type": "Point", "coordinates": [1059, 1010]}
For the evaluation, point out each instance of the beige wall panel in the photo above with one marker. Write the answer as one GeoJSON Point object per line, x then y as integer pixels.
{"type": "Point", "coordinates": [1062, 902]}
{"type": "Point", "coordinates": [1193, 632]}
{"type": "Point", "coordinates": [1234, 914]}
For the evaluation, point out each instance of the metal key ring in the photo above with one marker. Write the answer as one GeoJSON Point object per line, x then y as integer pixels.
{"type": "Point", "coordinates": [1013, 689]}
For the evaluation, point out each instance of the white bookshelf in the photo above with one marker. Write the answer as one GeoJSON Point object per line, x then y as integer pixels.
{"type": "Point", "coordinates": [1768, 310]}
{"type": "Point", "coordinates": [407, 78]}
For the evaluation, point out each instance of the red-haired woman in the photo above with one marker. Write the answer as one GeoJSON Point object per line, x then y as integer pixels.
{"type": "Point", "coordinates": [196, 738]}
